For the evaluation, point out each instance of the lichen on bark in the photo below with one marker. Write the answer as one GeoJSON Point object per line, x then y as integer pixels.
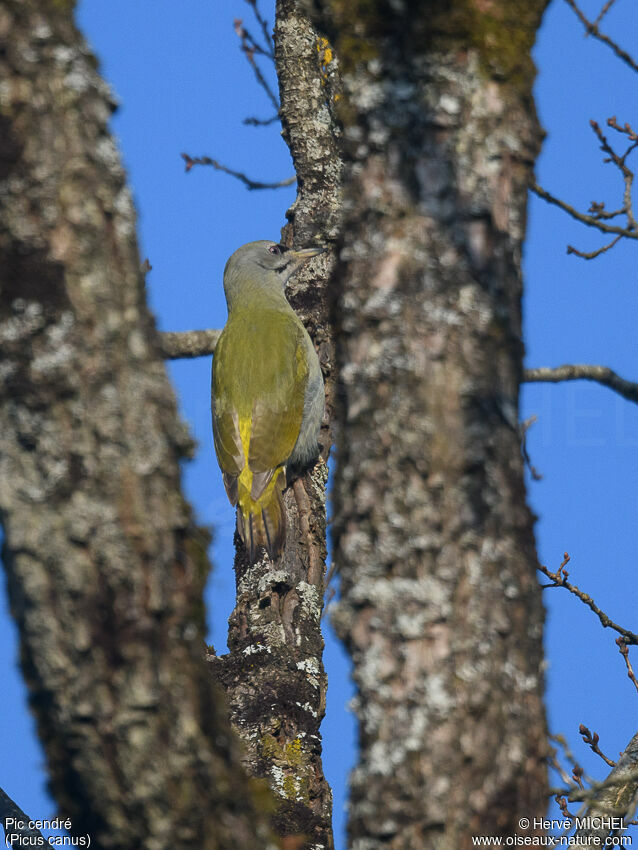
{"type": "Point", "coordinates": [273, 673]}
{"type": "Point", "coordinates": [105, 565]}
{"type": "Point", "coordinates": [503, 34]}
{"type": "Point", "coordinates": [440, 608]}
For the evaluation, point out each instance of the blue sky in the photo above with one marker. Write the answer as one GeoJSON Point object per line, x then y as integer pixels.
{"type": "Point", "coordinates": [184, 86]}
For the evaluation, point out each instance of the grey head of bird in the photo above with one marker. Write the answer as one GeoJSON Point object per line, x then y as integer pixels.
{"type": "Point", "coordinates": [262, 267]}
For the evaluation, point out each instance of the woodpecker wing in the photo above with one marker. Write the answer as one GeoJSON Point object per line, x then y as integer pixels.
{"type": "Point", "coordinates": [260, 372]}
{"type": "Point", "coordinates": [277, 415]}
{"type": "Point", "coordinates": [226, 436]}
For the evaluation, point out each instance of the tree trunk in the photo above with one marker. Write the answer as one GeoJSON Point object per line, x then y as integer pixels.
{"type": "Point", "coordinates": [273, 674]}
{"type": "Point", "coordinates": [105, 565]}
{"type": "Point", "coordinates": [440, 608]}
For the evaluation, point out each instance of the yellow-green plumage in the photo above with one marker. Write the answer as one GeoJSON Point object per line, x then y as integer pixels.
{"type": "Point", "coordinates": [267, 391]}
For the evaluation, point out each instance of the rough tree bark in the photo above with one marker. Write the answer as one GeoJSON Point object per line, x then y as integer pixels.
{"type": "Point", "coordinates": [273, 674]}
{"type": "Point", "coordinates": [105, 565]}
{"type": "Point", "coordinates": [440, 608]}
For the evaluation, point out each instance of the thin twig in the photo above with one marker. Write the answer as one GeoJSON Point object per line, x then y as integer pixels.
{"type": "Point", "coordinates": [249, 183]}
{"type": "Point", "coordinates": [618, 160]}
{"type": "Point", "coordinates": [592, 741]}
{"type": "Point", "coordinates": [576, 796]}
{"type": "Point", "coordinates": [263, 23]}
{"type": "Point", "coordinates": [597, 215]}
{"type": "Point", "coordinates": [251, 121]}
{"type": "Point", "coordinates": [249, 47]}
{"type": "Point", "coordinates": [598, 211]}
{"type": "Point", "coordinates": [603, 12]}
{"type": "Point", "coordinates": [577, 775]}
{"type": "Point", "coordinates": [559, 579]}
{"type": "Point", "coordinates": [592, 29]}
{"type": "Point", "coordinates": [562, 805]}
{"type": "Point", "coordinates": [584, 372]}
{"type": "Point", "coordinates": [589, 220]}
{"type": "Point", "coordinates": [553, 757]}
{"type": "Point", "coordinates": [248, 42]}
{"type": "Point", "coordinates": [624, 651]}
{"type": "Point", "coordinates": [621, 163]}
{"type": "Point", "coordinates": [524, 428]}
{"type": "Point", "coordinates": [591, 255]}
{"type": "Point", "coordinates": [623, 128]}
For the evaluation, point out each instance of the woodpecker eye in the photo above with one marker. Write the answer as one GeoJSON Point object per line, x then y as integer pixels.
{"type": "Point", "coordinates": [277, 249]}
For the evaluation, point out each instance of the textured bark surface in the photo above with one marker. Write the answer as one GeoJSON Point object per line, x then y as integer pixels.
{"type": "Point", "coordinates": [105, 566]}
{"type": "Point", "coordinates": [440, 609]}
{"type": "Point", "coordinates": [273, 674]}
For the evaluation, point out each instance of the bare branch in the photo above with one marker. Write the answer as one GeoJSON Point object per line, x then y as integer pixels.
{"type": "Point", "coordinates": [263, 23]}
{"type": "Point", "coordinates": [592, 740]}
{"type": "Point", "coordinates": [584, 372]}
{"type": "Point", "coordinates": [249, 42]}
{"type": "Point", "coordinates": [16, 823]}
{"type": "Point", "coordinates": [597, 216]}
{"type": "Point", "coordinates": [620, 163]}
{"type": "Point", "coordinates": [591, 255]}
{"type": "Point", "coordinates": [589, 220]}
{"type": "Point", "coordinates": [559, 579]}
{"type": "Point", "coordinates": [575, 795]}
{"type": "Point", "coordinates": [249, 183]}
{"type": "Point", "coordinates": [592, 29]}
{"type": "Point", "coordinates": [603, 12]}
{"type": "Point", "coordinates": [261, 122]}
{"type": "Point", "coordinates": [597, 209]}
{"type": "Point", "coordinates": [553, 757]}
{"type": "Point", "coordinates": [577, 776]}
{"type": "Point", "coordinates": [524, 428]}
{"type": "Point", "coordinates": [184, 344]}
{"type": "Point", "coordinates": [562, 805]}
{"type": "Point", "coordinates": [624, 651]}
{"type": "Point", "coordinates": [249, 47]}
{"type": "Point", "coordinates": [625, 128]}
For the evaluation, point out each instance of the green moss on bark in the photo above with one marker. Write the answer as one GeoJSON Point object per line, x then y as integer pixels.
{"type": "Point", "coordinates": [502, 32]}
{"type": "Point", "coordinates": [62, 5]}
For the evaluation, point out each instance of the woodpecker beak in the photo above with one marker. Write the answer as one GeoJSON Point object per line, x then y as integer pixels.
{"type": "Point", "coordinates": [305, 253]}
{"type": "Point", "coordinates": [296, 259]}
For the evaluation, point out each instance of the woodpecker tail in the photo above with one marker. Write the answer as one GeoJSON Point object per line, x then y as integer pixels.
{"type": "Point", "coordinates": [262, 522]}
